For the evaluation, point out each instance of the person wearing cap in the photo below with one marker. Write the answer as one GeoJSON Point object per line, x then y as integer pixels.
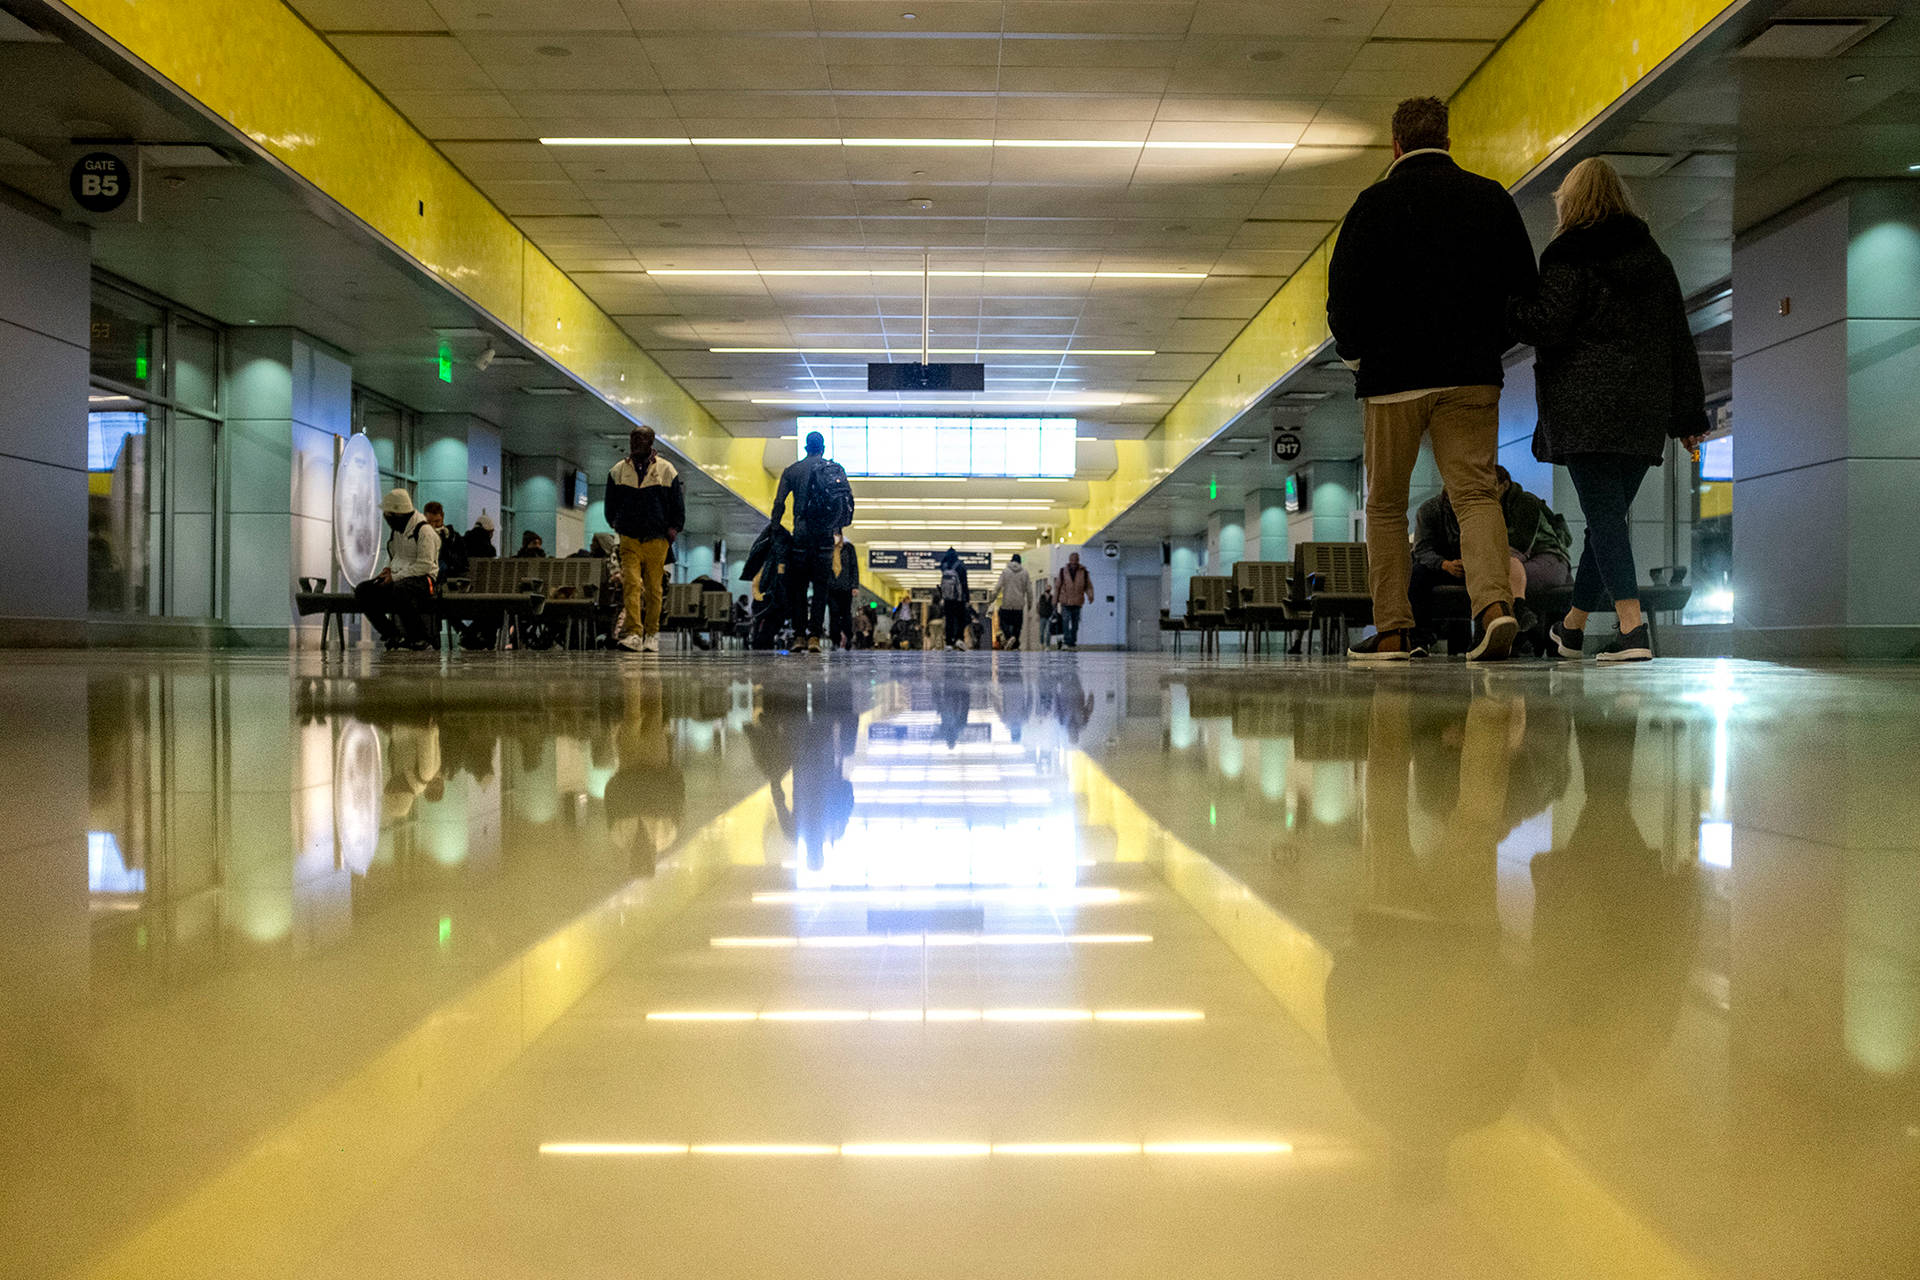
{"type": "Point", "coordinates": [479, 539]}
{"type": "Point", "coordinates": [404, 589]}
{"type": "Point", "coordinates": [647, 507]}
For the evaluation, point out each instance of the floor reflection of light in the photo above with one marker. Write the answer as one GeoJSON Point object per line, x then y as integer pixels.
{"type": "Point", "coordinates": [107, 870]}
{"type": "Point", "coordinates": [832, 941]}
{"type": "Point", "coordinates": [927, 1015]}
{"type": "Point", "coordinates": [1719, 697]}
{"type": "Point", "coordinates": [919, 1150]}
{"type": "Point", "coordinates": [1072, 897]}
{"type": "Point", "coordinates": [1716, 844]}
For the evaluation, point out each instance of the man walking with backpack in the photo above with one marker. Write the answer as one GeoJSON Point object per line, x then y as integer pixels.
{"type": "Point", "coordinates": [823, 506]}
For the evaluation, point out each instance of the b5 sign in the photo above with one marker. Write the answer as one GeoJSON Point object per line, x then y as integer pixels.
{"type": "Point", "coordinates": [103, 184]}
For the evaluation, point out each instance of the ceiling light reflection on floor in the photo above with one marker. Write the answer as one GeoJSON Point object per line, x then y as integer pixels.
{"type": "Point", "coordinates": [834, 941]}
{"type": "Point", "coordinates": [919, 1150]}
{"type": "Point", "coordinates": [927, 1015]}
{"type": "Point", "coordinates": [1090, 896]}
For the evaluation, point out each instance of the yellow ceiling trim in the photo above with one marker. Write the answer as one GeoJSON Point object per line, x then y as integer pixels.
{"type": "Point", "coordinates": [1565, 64]}
{"type": "Point", "coordinates": [255, 64]}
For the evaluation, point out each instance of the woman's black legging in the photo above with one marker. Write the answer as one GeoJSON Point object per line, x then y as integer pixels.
{"type": "Point", "coordinates": [1606, 483]}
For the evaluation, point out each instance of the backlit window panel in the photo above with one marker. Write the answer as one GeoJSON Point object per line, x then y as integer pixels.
{"type": "Point", "coordinates": [920, 446]}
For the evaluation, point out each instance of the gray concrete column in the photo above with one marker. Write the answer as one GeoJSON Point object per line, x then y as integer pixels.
{"type": "Point", "coordinates": [45, 288]}
{"type": "Point", "coordinates": [458, 466]}
{"type": "Point", "coordinates": [1226, 542]}
{"type": "Point", "coordinates": [288, 401]}
{"type": "Point", "coordinates": [1826, 334]}
{"type": "Point", "coordinates": [1331, 490]}
{"type": "Point", "coordinates": [1266, 525]}
{"type": "Point", "coordinates": [539, 504]}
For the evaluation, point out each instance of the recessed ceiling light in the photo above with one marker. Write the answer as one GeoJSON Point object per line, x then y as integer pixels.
{"type": "Point", "coordinates": [909, 16]}
{"type": "Point", "coordinates": [1856, 78]}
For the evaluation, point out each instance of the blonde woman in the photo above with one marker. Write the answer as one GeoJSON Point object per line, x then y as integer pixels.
{"type": "Point", "coordinates": [1616, 377]}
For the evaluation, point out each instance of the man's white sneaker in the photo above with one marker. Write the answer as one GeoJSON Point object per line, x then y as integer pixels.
{"type": "Point", "coordinates": [650, 645]}
{"type": "Point", "coordinates": [633, 643]}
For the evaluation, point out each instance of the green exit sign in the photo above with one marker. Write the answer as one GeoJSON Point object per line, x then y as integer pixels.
{"type": "Point", "coordinates": [446, 363]}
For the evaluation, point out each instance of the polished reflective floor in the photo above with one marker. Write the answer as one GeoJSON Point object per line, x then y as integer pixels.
{"type": "Point", "coordinates": [956, 965]}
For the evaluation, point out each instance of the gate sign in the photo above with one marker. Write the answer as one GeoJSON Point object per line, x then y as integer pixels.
{"type": "Point", "coordinates": [917, 560]}
{"type": "Point", "coordinates": [105, 185]}
{"type": "Point", "coordinates": [1286, 446]}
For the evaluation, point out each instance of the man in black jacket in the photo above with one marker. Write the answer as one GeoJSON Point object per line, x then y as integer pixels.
{"type": "Point", "coordinates": [1416, 299]}
{"type": "Point", "coordinates": [647, 507]}
{"type": "Point", "coordinates": [809, 561]}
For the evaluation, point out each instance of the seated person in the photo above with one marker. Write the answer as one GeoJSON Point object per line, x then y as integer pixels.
{"type": "Point", "coordinates": [1538, 546]}
{"type": "Point", "coordinates": [478, 541]}
{"type": "Point", "coordinates": [404, 589]}
{"type": "Point", "coordinates": [531, 545]}
{"type": "Point", "coordinates": [453, 551]}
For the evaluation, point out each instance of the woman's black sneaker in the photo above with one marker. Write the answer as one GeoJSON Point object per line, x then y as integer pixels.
{"type": "Point", "coordinates": [1629, 646]}
{"type": "Point", "coordinates": [1568, 642]}
{"type": "Point", "coordinates": [1388, 646]}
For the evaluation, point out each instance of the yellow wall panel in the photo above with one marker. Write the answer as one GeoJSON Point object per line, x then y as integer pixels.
{"type": "Point", "coordinates": [255, 64]}
{"type": "Point", "coordinates": [1559, 70]}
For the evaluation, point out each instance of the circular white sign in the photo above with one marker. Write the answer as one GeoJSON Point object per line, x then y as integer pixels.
{"type": "Point", "coordinates": [358, 780]}
{"type": "Point", "coordinates": [1111, 551]}
{"type": "Point", "coordinates": [356, 510]}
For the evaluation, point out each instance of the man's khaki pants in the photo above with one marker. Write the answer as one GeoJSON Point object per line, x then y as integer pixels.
{"type": "Point", "coordinates": [643, 575]}
{"type": "Point", "coordinates": [1465, 426]}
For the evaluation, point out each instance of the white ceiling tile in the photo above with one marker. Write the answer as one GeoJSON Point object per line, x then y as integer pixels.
{"type": "Point", "coordinates": [420, 63]}
{"type": "Point", "coordinates": [1292, 21]}
{"type": "Point", "coordinates": [1059, 79]}
{"type": "Point", "coordinates": [1154, 17]}
{"type": "Point", "coordinates": [888, 16]}
{"type": "Point", "coordinates": [667, 17]}
{"type": "Point", "coordinates": [533, 15]}
{"type": "Point", "coordinates": [370, 15]}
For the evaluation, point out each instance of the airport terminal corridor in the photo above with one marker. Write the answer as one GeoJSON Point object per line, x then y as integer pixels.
{"type": "Point", "coordinates": [958, 639]}
{"type": "Point", "coordinates": [935, 964]}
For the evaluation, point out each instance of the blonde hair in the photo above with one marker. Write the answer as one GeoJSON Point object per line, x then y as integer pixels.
{"type": "Point", "coordinates": [1592, 193]}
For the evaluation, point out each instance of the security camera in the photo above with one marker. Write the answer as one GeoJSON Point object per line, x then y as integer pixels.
{"type": "Point", "coordinates": [485, 359]}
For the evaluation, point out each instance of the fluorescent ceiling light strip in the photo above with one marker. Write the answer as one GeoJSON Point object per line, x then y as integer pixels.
{"type": "Point", "coordinates": [938, 351]}
{"type": "Point", "coordinates": [952, 144]}
{"type": "Point", "coordinates": [775, 272]}
{"type": "Point", "coordinates": [917, 1150]}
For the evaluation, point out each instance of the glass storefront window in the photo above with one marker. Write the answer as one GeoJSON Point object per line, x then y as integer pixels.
{"type": "Point", "coordinates": [1713, 590]}
{"type": "Point", "coordinates": [153, 458]}
{"type": "Point", "coordinates": [128, 340]}
{"type": "Point", "coordinates": [118, 497]}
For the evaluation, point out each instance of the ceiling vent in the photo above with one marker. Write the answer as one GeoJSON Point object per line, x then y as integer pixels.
{"type": "Point", "coordinates": [549, 391]}
{"type": "Point", "coordinates": [1810, 37]}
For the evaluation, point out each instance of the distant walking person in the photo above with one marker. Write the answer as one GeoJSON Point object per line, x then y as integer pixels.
{"type": "Point", "coordinates": [955, 594]}
{"type": "Point", "coordinates": [1071, 591]}
{"type": "Point", "coordinates": [647, 507]}
{"type": "Point", "coordinates": [1417, 299]}
{"type": "Point", "coordinates": [843, 578]}
{"type": "Point", "coordinates": [1015, 593]}
{"type": "Point", "coordinates": [822, 507]}
{"type": "Point", "coordinates": [1616, 376]}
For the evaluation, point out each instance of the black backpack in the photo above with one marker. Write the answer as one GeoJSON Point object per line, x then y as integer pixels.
{"type": "Point", "coordinates": [828, 503]}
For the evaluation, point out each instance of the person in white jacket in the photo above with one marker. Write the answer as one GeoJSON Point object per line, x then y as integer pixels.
{"type": "Point", "coordinates": [404, 589]}
{"type": "Point", "coordinates": [1014, 590]}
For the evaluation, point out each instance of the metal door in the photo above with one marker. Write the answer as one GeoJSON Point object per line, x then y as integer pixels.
{"type": "Point", "coordinates": [1143, 612]}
